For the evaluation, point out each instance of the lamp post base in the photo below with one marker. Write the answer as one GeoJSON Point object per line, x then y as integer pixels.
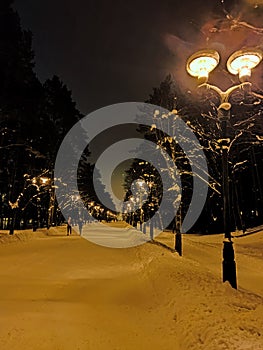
{"type": "Point", "coordinates": [151, 229]}
{"type": "Point", "coordinates": [229, 265]}
{"type": "Point", "coordinates": [178, 243]}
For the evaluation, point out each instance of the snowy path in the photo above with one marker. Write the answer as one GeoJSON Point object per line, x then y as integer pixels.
{"type": "Point", "coordinates": [116, 237]}
{"type": "Point", "coordinates": [64, 293]}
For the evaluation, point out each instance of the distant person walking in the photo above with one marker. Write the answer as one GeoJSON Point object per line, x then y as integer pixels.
{"type": "Point", "coordinates": [80, 226]}
{"type": "Point", "coordinates": [69, 228]}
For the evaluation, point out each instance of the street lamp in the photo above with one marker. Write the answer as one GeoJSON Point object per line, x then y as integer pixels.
{"type": "Point", "coordinates": [151, 207]}
{"type": "Point", "coordinates": [199, 65]}
{"type": "Point", "coordinates": [242, 62]}
{"type": "Point", "coordinates": [41, 183]}
{"type": "Point", "coordinates": [140, 184]}
{"type": "Point", "coordinates": [132, 199]}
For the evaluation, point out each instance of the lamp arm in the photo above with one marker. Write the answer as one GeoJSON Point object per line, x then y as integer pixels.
{"type": "Point", "coordinates": [225, 95]}
{"type": "Point", "coordinates": [257, 95]}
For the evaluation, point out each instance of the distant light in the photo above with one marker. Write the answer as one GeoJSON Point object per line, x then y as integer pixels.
{"type": "Point", "coordinates": [44, 180]}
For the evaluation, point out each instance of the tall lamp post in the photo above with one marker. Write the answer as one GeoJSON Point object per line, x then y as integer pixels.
{"type": "Point", "coordinates": [41, 183]}
{"type": "Point", "coordinates": [199, 65]}
{"type": "Point", "coordinates": [140, 187]}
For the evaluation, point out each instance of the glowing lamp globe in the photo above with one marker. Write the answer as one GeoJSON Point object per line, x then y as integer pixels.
{"type": "Point", "coordinates": [201, 63]}
{"type": "Point", "coordinates": [243, 61]}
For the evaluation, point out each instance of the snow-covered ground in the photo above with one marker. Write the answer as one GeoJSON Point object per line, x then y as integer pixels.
{"type": "Point", "coordinates": [59, 292]}
{"type": "Point", "coordinates": [118, 236]}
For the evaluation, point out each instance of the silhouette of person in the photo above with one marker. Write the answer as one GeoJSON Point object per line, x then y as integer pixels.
{"type": "Point", "coordinates": [69, 228]}
{"type": "Point", "coordinates": [80, 226]}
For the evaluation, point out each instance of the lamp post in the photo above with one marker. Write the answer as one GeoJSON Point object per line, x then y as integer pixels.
{"type": "Point", "coordinates": [41, 183]}
{"type": "Point", "coordinates": [140, 186]}
{"type": "Point", "coordinates": [132, 199]}
{"type": "Point", "coordinates": [199, 65]}
{"type": "Point", "coordinates": [177, 230]}
{"type": "Point", "coordinates": [51, 209]}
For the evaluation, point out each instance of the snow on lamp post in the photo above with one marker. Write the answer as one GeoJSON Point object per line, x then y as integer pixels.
{"type": "Point", "coordinates": [199, 65]}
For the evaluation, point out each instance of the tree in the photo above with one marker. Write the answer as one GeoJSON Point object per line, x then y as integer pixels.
{"type": "Point", "coordinates": [20, 93]}
{"type": "Point", "coordinates": [59, 114]}
{"type": "Point", "coordinates": [34, 118]}
{"type": "Point", "coordinates": [245, 150]}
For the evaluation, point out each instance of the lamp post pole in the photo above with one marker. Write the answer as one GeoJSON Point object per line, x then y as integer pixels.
{"type": "Point", "coordinates": [140, 183]}
{"type": "Point", "coordinates": [51, 207]}
{"type": "Point", "coordinates": [223, 114]}
{"type": "Point", "coordinates": [178, 234]}
{"type": "Point", "coordinates": [228, 264]}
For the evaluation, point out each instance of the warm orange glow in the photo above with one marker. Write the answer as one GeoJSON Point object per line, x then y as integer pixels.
{"type": "Point", "coordinates": [202, 63]}
{"type": "Point", "coordinates": [202, 66]}
{"type": "Point", "coordinates": [44, 180]}
{"type": "Point", "coordinates": [242, 62]}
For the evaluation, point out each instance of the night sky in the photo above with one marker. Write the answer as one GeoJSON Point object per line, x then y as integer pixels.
{"type": "Point", "coordinates": [108, 52]}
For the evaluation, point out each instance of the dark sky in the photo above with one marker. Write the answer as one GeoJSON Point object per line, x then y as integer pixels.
{"type": "Point", "coordinates": [110, 51]}
{"type": "Point", "coordinates": [117, 51]}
